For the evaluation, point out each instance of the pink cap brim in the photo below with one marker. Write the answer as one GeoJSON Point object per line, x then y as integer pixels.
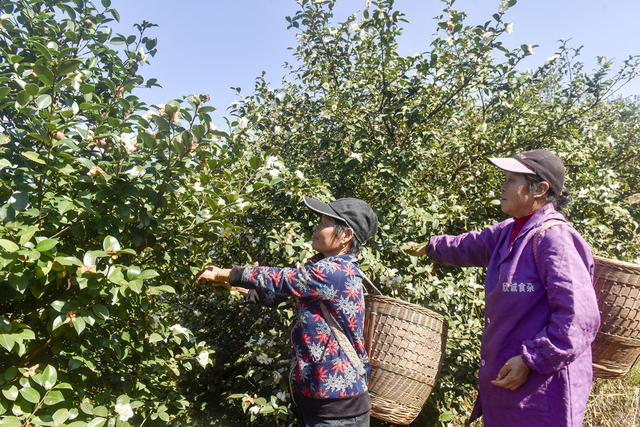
{"type": "Point", "coordinates": [510, 164]}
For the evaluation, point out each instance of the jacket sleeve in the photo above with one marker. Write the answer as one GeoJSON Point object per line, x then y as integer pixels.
{"type": "Point", "coordinates": [565, 266]}
{"type": "Point", "coordinates": [274, 284]}
{"type": "Point", "coordinates": [472, 249]}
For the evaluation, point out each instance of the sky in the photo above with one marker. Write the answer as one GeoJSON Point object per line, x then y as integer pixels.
{"type": "Point", "coordinates": [209, 46]}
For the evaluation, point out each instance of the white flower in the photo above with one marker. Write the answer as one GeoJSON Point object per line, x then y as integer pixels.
{"type": "Point", "coordinates": [243, 123]}
{"type": "Point", "coordinates": [254, 409]}
{"type": "Point", "coordinates": [281, 396]}
{"type": "Point", "coordinates": [136, 171]}
{"type": "Point", "coordinates": [198, 187]}
{"type": "Point", "coordinates": [222, 202]}
{"type": "Point", "coordinates": [353, 27]}
{"type": "Point", "coordinates": [486, 36]}
{"type": "Point", "coordinates": [205, 213]}
{"type": "Point", "coordinates": [142, 57]}
{"type": "Point", "coordinates": [178, 329]}
{"type": "Point", "coordinates": [277, 376]}
{"type": "Point", "coordinates": [277, 130]}
{"type": "Point", "coordinates": [610, 139]}
{"type": "Point", "coordinates": [75, 81]}
{"type": "Point", "coordinates": [357, 156]}
{"type": "Point", "coordinates": [241, 203]}
{"type": "Point", "coordinates": [203, 358]}
{"type": "Point", "coordinates": [148, 115]}
{"type": "Point", "coordinates": [302, 39]}
{"type": "Point", "coordinates": [529, 50]}
{"type": "Point", "coordinates": [552, 58]}
{"type": "Point", "coordinates": [509, 28]}
{"type": "Point", "coordinates": [326, 39]}
{"type": "Point", "coordinates": [449, 290]}
{"type": "Point", "coordinates": [333, 31]}
{"type": "Point", "coordinates": [227, 232]}
{"type": "Point", "coordinates": [129, 139]}
{"type": "Point", "coordinates": [124, 411]}
{"type": "Point", "coordinates": [298, 173]}
{"type": "Point", "coordinates": [483, 127]}
{"type": "Point", "coordinates": [273, 172]}
{"type": "Point", "coordinates": [263, 359]}
{"type": "Point", "coordinates": [450, 40]}
{"type": "Point", "coordinates": [272, 162]}
{"type": "Point", "coordinates": [325, 86]}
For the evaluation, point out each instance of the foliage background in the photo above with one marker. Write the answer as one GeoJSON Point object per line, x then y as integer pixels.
{"type": "Point", "coordinates": [110, 206]}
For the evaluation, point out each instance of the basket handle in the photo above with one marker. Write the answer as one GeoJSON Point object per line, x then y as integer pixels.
{"type": "Point", "coordinates": [366, 278]}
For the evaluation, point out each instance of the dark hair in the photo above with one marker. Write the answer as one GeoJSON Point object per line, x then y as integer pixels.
{"type": "Point", "coordinates": [339, 228]}
{"type": "Point", "coordinates": [560, 202]}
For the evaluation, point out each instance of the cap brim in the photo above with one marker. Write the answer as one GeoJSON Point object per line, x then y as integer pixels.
{"type": "Point", "coordinates": [510, 164]}
{"type": "Point", "coordinates": [320, 207]}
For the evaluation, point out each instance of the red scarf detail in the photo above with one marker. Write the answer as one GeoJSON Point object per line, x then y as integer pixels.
{"type": "Point", "coordinates": [517, 226]}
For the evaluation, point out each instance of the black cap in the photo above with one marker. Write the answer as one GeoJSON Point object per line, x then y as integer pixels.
{"type": "Point", "coordinates": [543, 163]}
{"type": "Point", "coordinates": [356, 213]}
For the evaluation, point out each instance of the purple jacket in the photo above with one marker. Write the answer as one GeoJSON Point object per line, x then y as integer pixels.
{"type": "Point", "coordinates": [547, 313]}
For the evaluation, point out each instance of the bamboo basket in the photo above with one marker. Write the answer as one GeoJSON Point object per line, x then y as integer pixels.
{"type": "Point", "coordinates": [617, 345]}
{"type": "Point", "coordinates": [405, 343]}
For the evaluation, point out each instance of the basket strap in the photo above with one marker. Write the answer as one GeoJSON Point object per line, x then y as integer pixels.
{"type": "Point", "coordinates": [343, 342]}
{"type": "Point", "coordinates": [539, 232]}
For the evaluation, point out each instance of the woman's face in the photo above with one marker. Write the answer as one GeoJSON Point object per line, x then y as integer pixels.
{"type": "Point", "coordinates": [324, 239]}
{"type": "Point", "coordinates": [515, 198]}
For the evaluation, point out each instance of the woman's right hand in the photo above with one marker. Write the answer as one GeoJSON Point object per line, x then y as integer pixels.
{"type": "Point", "coordinates": [414, 249]}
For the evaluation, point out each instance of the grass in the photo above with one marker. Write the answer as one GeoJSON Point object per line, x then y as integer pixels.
{"type": "Point", "coordinates": [615, 402]}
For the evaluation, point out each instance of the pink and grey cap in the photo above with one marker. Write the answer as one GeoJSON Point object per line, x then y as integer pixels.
{"type": "Point", "coordinates": [543, 163]}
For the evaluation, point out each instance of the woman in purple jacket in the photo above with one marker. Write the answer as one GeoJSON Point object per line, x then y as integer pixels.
{"type": "Point", "coordinates": [541, 313]}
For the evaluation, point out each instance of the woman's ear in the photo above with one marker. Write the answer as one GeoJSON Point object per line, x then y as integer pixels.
{"type": "Point", "coordinates": [347, 235]}
{"type": "Point", "coordinates": [541, 189]}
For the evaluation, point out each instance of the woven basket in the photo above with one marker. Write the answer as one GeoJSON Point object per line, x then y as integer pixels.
{"type": "Point", "coordinates": [405, 343]}
{"type": "Point", "coordinates": [617, 345]}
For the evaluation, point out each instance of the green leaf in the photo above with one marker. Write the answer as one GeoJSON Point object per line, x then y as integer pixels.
{"type": "Point", "coordinates": [147, 274]}
{"type": "Point", "coordinates": [96, 422]}
{"type": "Point", "coordinates": [4, 91]}
{"type": "Point", "coordinates": [19, 282]}
{"type": "Point", "coordinates": [7, 341]}
{"type": "Point", "coordinates": [61, 415]}
{"type": "Point", "coordinates": [43, 101]}
{"type": "Point", "coordinates": [11, 422]}
{"type": "Point", "coordinates": [10, 373]}
{"type": "Point", "coordinates": [8, 245]}
{"type": "Point", "coordinates": [19, 200]}
{"type": "Point", "coordinates": [10, 393]}
{"type": "Point", "coordinates": [44, 74]}
{"type": "Point", "coordinates": [79, 324]}
{"type": "Point", "coordinates": [100, 411]}
{"type": "Point", "coordinates": [101, 311]}
{"type": "Point", "coordinates": [26, 234]}
{"type": "Point", "coordinates": [32, 89]}
{"type": "Point", "coordinates": [49, 377]}
{"type": "Point", "coordinates": [34, 157]}
{"type": "Point", "coordinates": [106, 3]}
{"type": "Point", "coordinates": [53, 397]}
{"type": "Point", "coordinates": [23, 98]}
{"type": "Point", "coordinates": [110, 242]}
{"type": "Point", "coordinates": [46, 245]}
{"type": "Point", "coordinates": [30, 394]}
{"type": "Point", "coordinates": [68, 66]}
{"type": "Point", "coordinates": [154, 338]}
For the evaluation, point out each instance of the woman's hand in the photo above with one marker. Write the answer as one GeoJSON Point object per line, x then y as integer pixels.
{"type": "Point", "coordinates": [414, 249]}
{"type": "Point", "coordinates": [213, 276]}
{"type": "Point", "coordinates": [513, 374]}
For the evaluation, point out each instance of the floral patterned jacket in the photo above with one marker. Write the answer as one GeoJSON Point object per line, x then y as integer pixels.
{"type": "Point", "coordinates": [319, 368]}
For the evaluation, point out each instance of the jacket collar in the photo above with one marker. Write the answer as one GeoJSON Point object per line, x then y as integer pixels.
{"type": "Point", "coordinates": [542, 215]}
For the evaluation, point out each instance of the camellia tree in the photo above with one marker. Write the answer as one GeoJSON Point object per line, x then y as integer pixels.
{"type": "Point", "coordinates": [110, 207]}
{"type": "Point", "coordinates": [106, 207]}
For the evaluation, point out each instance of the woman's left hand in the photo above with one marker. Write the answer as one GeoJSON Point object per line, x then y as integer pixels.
{"type": "Point", "coordinates": [513, 374]}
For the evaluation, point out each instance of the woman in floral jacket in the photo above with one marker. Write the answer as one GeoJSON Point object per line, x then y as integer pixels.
{"type": "Point", "coordinates": [329, 368]}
